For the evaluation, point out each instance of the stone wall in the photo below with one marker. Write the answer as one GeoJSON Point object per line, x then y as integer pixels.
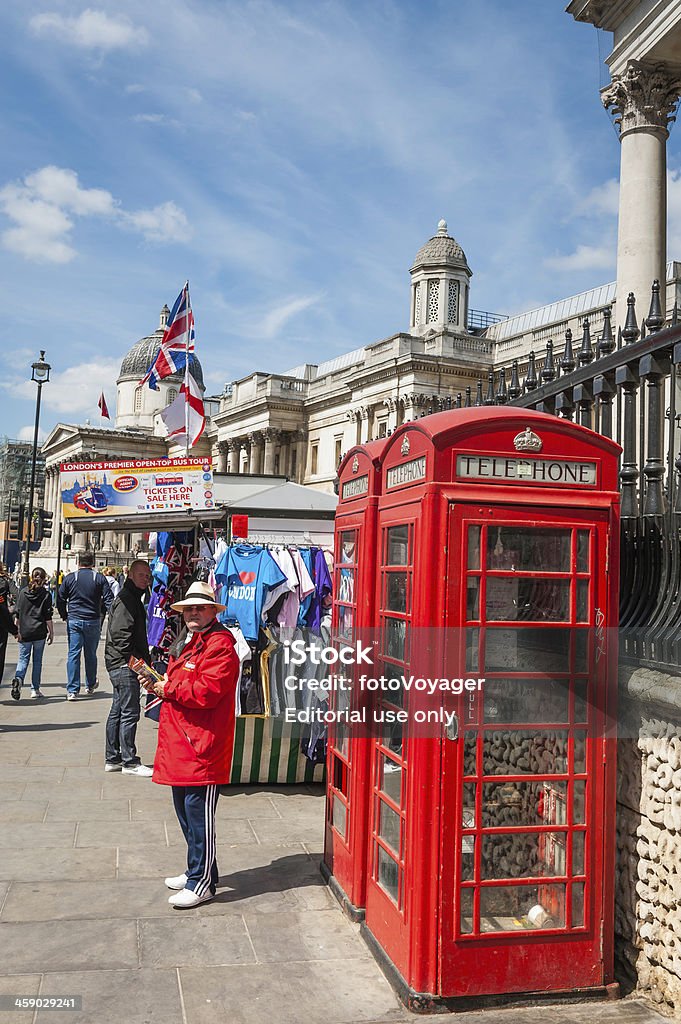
{"type": "Point", "coordinates": [648, 879]}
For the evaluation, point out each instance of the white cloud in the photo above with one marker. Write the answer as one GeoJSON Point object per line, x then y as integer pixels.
{"type": "Point", "coordinates": [134, 88]}
{"type": "Point", "coordinates": [604, 199]}
{"type": "Point", "coordinates": [26, 434]}
{"type": "Point", "coordinates": [274, 321]}
{"type": "Point", "coordinates": [42, 208]}
{"type": "Point", "coordinates": [585, 257]}
{"type": "Point", "coordinates": [164, 223]}
{"type": "Point", "coordinates": [90, 30]}
{"type": "Point", "coordinates": [150, 119]}
{"type": "Point", "coordinates": [74, 391]}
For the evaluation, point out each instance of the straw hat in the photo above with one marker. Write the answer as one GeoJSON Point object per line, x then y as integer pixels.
{"type": "Point", "coordinates": [199, 593]}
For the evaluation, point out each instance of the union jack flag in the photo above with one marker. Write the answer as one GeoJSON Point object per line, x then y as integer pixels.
{"type": "Point", "coordinates": [178, 340]}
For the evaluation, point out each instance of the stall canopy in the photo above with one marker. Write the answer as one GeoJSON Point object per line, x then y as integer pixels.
{"type": "Point", "coordinates": [258, 497]}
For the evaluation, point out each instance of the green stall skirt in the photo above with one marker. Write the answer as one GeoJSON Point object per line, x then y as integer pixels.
{"type": "Point", "coordinates": [267, 750]}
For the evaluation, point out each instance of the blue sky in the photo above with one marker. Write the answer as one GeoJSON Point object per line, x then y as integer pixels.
{"type": "Point", "coordinates": [289, 158]}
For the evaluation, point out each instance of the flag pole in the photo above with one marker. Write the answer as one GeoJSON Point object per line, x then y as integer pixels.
{"type": "Point", "coordinates": [186, 374]}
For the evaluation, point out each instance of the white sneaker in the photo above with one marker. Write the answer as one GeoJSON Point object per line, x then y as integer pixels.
{"type": "Point", "coordinates": [111, 766]}
{"type": "Point", "coordinates": [72, 696]}
{"type": "Point", "coordinates": [178, 882]}
{"type": "Point", "coordinates": [35, 694]}
{"type": "Point", "coordinates": [186, 899]}
{"type": "Point", "coordinates": [139, 769]}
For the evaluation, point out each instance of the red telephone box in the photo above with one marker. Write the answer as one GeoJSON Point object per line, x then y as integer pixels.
{"type": "Point", "coordinates": [346, 835]}
{"type": "Point", "coordinates": [490, 853]}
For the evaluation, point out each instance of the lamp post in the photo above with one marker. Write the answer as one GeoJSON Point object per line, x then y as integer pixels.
{"type": "Point", "coordinates": [41, 375]}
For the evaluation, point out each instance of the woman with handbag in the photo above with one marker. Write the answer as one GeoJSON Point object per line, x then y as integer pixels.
{"type": "Point", "coordinates": [33, 615]}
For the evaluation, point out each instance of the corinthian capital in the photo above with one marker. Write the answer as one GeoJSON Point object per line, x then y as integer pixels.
{"type": "Point", "coordinates": [644, 96]}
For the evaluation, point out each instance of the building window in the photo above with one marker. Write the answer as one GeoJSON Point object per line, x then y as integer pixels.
{"type": "Point", "coordinates": [417, 304]}
{"type": "Point", "coordinates": [314, 458]}
{"type": "Point", "coordinates": [338, 449]}
{"type": "Point", "coordinates": [172, 395]}
{"type": "Point", "coordinates": [382, 428]}
{"type": "Point", "coordinates": [453, 302]}
{"type": "Point", "coordinates": [433, 299]}
{"type": "Point", "coordinates": [138, 399]}
{"type": "Point", "coordinates": [294, 461]}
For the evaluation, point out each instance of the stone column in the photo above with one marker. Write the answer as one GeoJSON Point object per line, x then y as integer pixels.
{"type": "Point", "coordinates": [391, 405]}
{"type": "Point", "coordinates": [233, 450]}
{"type": "Point", "coordinates": [300, 443]}
{"type": "Point", "coordinates": [245, 455]}
{"type": "Point", "coordinates": [257, 452]}
{"type": "Point", "coordinates": [642, 99]}
{"type": "Point", "coordinates": [271, 436]}
{"type": "Point", "coordinates": [222, 457]}
{"type": "Point", "coordinates": [284, 454]}
{"type": "Point", "coordinates": [365, 417]}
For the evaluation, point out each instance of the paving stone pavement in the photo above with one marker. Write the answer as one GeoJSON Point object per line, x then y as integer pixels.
{"type": "Point", "coordinates": [83, 908]}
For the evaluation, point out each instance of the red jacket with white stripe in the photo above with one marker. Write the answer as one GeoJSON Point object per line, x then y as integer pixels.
{"type": "Point", "coordinates": [196, 725]}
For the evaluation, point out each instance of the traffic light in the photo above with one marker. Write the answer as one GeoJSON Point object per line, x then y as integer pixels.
{"type": "Point", "coordinates": [67, 541]}
{"type": "Point", "coordinates": [16, 522]}
{"type": "Point", "coordinates": [46, 523]}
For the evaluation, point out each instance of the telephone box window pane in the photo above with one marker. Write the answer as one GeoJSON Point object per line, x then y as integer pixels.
{"type": "Point", "coordinates": [465, 911]}
{"type": "Point", "coordinates": [472, 649]}
{"type": "Point", "coordinates": [581, 707]}
{"type": "Point", "coordinates": [389, 827]}
{"type": "Point", "coordinates": [340, 776]}
{"type": "Point", "coordinates": [516, 752]}
{"type": "Point", "coordinates": [347, 546]}
{"type": "Point", "coordinates": [578, 802]}
{"type": "Point", "coordinates": [345, 621]}
{"type": "Point", "coordinates": [581, 649]}
{"type": "Point", "coordinates": [527, 549]}
{"type": "Point", "coordinates": [468, 812]}
{"type": "Point", "coordinates": [469, 751]}
{"type": "Point", "coordinates": [339, 816]}
{"type": "Point", "coordinates": [527, 650]}
{"type": "Point", "coordinates": [528, 600]}
{"type": "Point", "coordinates": [517, 804]}
{"type": "Point", "coordinates": [473, 599]}
{"type": "Point", "coordinates": [391, 779]}
{"type": "Point", "coordinates": [578, 905]}
{"type": "Point", "coordinates": [526, 700]}
{"type": "Point", "coordinates": [397, 546]}
{"type": "Point", "coordinates": [346, 586]}
{"type": "Point", "coordinates": [582, 600]}
{"type": "Point", "coordinates": [467, 858]}
{"type": "Point", "coordinates": [580, 753]}
{"type": "Point", "coordinates": [582, 550]}
{"type": "Point", "coordinates": [523, 855]}
{"type": "Point", "coordinates": [512, 908]}
{"type": "Point", "coordinates": [395, 638]}
{"type": "Point", "coordinates": [396, 596]}
{"type": "Point", "coordinates": [387, 873]}
{"type": "Point", "coordinates": [578, 853]}
{"type": "Point", "coordinates": [473, 547]}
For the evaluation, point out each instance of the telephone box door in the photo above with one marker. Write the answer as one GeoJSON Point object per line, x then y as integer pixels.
{"type": "Point", "coordinates": [524, 844]}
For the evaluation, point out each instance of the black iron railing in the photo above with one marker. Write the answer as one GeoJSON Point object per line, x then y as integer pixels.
{"type": "Point", "coordinates": [625, 389]}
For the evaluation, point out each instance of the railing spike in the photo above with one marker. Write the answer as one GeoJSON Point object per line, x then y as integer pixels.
{"type": "Point", "coordinates": [489, 399]}
{"type": "Point", "coordinates": [568, 362]}
{"type": "Point", "coordinates": [548, 372]}
{"type": "Point", "coordinates": [467, 403]}
{"type": "Point", "coordinates": [586, 352]}
{"type": "Point", "coordinates": [606, 343]}
{"type": "Point", "coordinates": [655, 319]}
{"type": "Point", "coordinates": [478, 396]}
{"type": "Point", "coordinates": [630, 332]}
{"type": "Point", "coordinates": [514, 388]}
{"type": "Point", "coordinates": [531, 381]}
{"type": "Point", "coordinates": [502, 390]}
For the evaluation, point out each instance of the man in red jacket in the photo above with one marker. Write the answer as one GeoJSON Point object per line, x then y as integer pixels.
{"type": "Point", "coordinates": [196, 736]}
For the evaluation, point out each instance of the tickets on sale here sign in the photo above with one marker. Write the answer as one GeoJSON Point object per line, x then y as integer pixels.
{"type": "Point", "coordinates": [135, 486]}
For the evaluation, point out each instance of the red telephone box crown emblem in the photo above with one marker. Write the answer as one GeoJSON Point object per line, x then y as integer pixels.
{"type": "Point", "coordinates": [406, 447]}
{"type": "Point", "coordinates": [355, 464]}
{"type": "Point", "coordinates": [527, 441]}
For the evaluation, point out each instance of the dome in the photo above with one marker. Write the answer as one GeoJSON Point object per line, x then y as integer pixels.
{"type": "Point", "coordinates": [441, 248]}
{"type": "Point", "coordinates": [138, 360]}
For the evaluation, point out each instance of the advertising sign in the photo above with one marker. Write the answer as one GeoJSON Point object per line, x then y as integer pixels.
{"type": "Point", "coordinates": [135, 487]}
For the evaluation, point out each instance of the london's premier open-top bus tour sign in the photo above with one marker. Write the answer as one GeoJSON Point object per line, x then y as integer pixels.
{"type": "Point", "coordinates": [135, 487]}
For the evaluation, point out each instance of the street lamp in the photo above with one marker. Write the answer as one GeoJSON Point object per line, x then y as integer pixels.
{"type": "Point", "coordinates": [41, 375]}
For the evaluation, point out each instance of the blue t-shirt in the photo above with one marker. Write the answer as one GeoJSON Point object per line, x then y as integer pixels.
{"type": "Point", "coordinates": [246, 574]}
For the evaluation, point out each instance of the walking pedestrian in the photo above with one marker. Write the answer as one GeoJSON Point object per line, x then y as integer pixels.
{"type": "Point", "coordinates": [111, 579]}
{"type": "Point", "coordinates": [126, 637]}
{"type": "Point", "coordinates": [196, 736]}
{"type": "Point", "coordinates": [54, 587]}
{"type": "Point", "coordinates": [81, 599]}
{"type": "Point", "coordinates": [7, 624]}
{"type": "Point", "coordinates": [33, 615]}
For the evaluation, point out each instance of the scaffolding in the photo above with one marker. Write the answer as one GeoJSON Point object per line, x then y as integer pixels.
{"type": "Point", "coordinates": [15, 475]}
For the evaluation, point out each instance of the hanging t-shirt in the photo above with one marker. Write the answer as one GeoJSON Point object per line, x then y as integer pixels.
{"type": "Point", "coordinates": [156, 615]}
{"type": "Point", "coordinates": [301, 587]}
{"type": "Point", "coordinates": [307, 555]}
{"type": "Point", "coordinates": [323, 587]}
{"type": "Point", "coordinates": [246, 574]}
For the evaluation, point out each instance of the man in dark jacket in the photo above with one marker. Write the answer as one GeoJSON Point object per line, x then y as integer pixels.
{"type": "Point", "coordinates": [81, 600]}
{"type": "Point", "coordinates": [7, 624]}
{"type": "Point", "coordinates": [126, 637]}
